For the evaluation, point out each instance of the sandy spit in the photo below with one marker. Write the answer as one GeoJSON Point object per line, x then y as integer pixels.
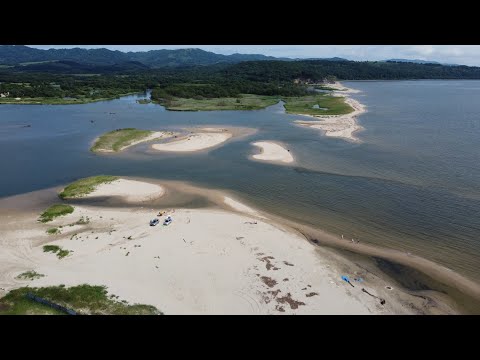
{"type": "Point", "coordinates": [208, 261]}
{"type": "Point", "coordinates": [339, 126]}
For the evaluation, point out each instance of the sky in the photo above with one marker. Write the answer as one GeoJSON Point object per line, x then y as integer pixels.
{"type": "Point", "coordinates": [452, 54]}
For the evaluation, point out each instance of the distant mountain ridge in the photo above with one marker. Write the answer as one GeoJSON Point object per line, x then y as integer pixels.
{"type": "Point", "coordinates": [418, 61]}
{"type": "Point", "coordinates": [414, 61]}
{"type": "Point", "coordinates": [19, 54]}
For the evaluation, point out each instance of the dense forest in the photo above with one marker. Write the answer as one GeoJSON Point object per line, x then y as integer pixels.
{"type": "Point", "coordinates": [316, 70]}
{"type": "Point", "coordinates": [66, 78]}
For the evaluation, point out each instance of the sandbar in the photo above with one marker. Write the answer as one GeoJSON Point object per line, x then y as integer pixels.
{"type": "Point", "coordinates": [272, 152]}
{"type": "Point", "coordinates": [201, 140]}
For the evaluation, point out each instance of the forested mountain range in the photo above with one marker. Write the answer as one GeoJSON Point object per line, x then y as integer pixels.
{"type": "Point", "coordinates": [193, 64]}
{"type": "Point", "coordinates": [19, 54]}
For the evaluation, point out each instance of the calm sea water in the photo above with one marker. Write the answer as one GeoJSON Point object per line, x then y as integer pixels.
{"type": "Point", "coordinates": [413, 183]}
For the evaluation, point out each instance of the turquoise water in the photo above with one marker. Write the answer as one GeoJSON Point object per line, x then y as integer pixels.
{"type": "Point", "coordinates": [413, 183]}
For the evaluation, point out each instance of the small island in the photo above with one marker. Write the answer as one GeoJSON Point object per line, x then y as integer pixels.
{"type": "Point", "coordinates": [121, 139]}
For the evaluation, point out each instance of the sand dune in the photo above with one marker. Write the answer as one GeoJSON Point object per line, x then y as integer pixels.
{"type": "Point", "coordinates": [195, 142]}
{"type": "Point", "coordinates": [272, 152]}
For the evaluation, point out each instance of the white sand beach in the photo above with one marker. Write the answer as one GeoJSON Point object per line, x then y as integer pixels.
{"type": "Point", "coordinates": [205, 262]}
{"type": "Point", "coordinates": [128, 190]}
{"type": "Point", "coordinates": [204, 139]}
{"type": "Point", "coordinates": [272, 152]}
{"type": "Point", "coordinates": [339, 126]}
{"type": "Point", "coordinates": [208, 261]}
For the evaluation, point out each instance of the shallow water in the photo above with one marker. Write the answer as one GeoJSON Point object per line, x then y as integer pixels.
{"type": "Point", "coordinates": [413, 183]}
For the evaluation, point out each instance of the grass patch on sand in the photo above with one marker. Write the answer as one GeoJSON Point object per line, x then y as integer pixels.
{"type": "Point", "coordinates": [242, 102]}
{"type": "Point", "coordinates": [54, 211]}
{"type": "Point", "coordinates": [116, 140]}
{"type": "Point", "coordinates": [61, 253]}
{"type": "Point", "coordinates": [336, 105]}
{"type": "Point", "coordinates": [30, 275]}
{"type": "Point", "coordinates": [53, 231]}
{"type": "Point", "coordinates": [85, 186]}
{"type": "Point", "coordinates": [324, 87]}
{"type": "Point", "coordinates": [84, 299]}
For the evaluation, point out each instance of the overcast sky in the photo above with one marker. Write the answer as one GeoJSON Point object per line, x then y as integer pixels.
{"type": "Point", "coordinates": [457, 54]}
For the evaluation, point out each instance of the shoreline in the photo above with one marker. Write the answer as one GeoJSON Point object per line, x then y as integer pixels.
{"type": "Point", "coordinates": [339, 126]}
{"type": "Point", "coordinates": [325, 244]}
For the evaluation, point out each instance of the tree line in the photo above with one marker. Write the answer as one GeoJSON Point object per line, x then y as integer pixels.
{"type": "Point", "coordinates": [283, 78]}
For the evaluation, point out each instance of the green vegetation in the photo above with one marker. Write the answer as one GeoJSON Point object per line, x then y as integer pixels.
{"type": "Point", "coordinates": [53, 231]}
{"type": "Point", "coordinates": [85, 186]}
{"type": "Point", "coordinates": [58, 101]}
{"type": "Point", "coordinates": [304, 105]}
{"type": "Point", "coordinates": [144, 101]}
{"type": "Point", "coordinates": [242, 102]}
{"type": "Point", "coordinates": [61, 253]}
{"type": "Point", "coordinates": [118, 139]}
{"type": "Point", "coordinates": [29, 275]}
{"type": "Point", "coordinates": [55, 211]}
{"type": "Point", "coordinates": [84, 299]}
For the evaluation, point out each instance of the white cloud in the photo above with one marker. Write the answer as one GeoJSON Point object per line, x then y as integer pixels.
{"type": "Point", "coordinates": [459, 54]}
